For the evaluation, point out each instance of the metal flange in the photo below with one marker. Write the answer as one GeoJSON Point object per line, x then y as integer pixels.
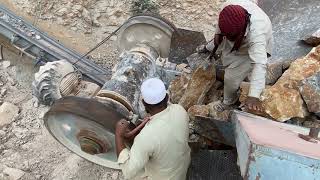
{"type": "Point", "coordinates": [146, 29]}
{"type": "Point", "coordinates": [86, 127]}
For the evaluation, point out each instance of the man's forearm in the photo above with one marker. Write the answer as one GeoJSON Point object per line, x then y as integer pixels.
{"type": "Point", "coordinates": [258, 79]}
{"type": "Point", "coordinates": [120, 145]}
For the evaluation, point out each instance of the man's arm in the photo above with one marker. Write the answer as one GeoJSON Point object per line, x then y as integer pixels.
{"type": "Point", "coordinates": [258, 56]}
{"type": "Point", "coordinates": [134, 160]}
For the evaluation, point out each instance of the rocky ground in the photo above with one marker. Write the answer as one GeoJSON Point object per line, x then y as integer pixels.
{"type": "Point", "coordinates": [80, 24]}
{"type": "Point", "coordinates": [27, 150]}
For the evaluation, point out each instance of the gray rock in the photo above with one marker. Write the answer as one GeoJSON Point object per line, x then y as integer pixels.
{"type": "Point", "coordinates": [313, 39]}
{"type": "Point", "coordinates": [14, 174]}
{"type": "Point", "coordinates": [274, 72]}
{"type": "Point", "coordinates": [2, 133]}
{"type": "Point", "coordinates": [115, 175]}
{"type": "Point", "coordinates": [196, 59]}
{"type": "Point", "coordinates": [310, 91]}
{"type": "Point", "coordinates": [87, 16]}
{"type": "Point", "coordinates": [8, 112]}
{"type": "Point", "coordinates": [3, 92]}
{"type": "Point", "coordinates": [6, 64]}
{"type": "Point", "coordinates": [62, 11]}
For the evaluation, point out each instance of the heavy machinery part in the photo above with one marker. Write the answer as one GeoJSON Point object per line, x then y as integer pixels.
{"type": "Point", "coordinates": [51, 79]}
{"type": "Point", "coordinates": [292, 20]}
{"type": "Point", "coordinates": [86, 127]}
{"type": "Point", "coordinates": [146, 29]}
{"type": "Point", "coordinates": [134, 66]}
{"type": "Point", "coordinates": [39, 46]}
{"type": "Point", "coordinates": [265, 148]}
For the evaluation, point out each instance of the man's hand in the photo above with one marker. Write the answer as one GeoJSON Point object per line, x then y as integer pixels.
{"type": "Point", "coordinates": [253, 104]}
{"type": "Point", "coordinates": [122, 127]}
{"type": "Point", "coordinates": [202, 49]}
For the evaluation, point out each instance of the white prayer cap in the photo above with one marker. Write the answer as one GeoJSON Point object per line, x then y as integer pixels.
{"type": "Point", "coordinates": [153, 91]}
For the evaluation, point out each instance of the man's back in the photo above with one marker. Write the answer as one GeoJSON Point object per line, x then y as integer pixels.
{"type": "Point", "coordinates": [162, 146]}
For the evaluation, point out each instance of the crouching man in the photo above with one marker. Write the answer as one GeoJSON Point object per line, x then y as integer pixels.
{"type": "Point", "coordinates": [160, 151]}
{"type": "Point", "coordinates": [244, 36]}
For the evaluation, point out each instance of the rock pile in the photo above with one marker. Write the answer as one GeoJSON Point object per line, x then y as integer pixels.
{"type": "Point", "coordinates": [296, 93]}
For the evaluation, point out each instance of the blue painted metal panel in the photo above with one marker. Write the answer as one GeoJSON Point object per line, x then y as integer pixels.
{"type": "Point", "coordinates": [259, 161]}
{"type": "Point", "coordinates": [273, 164]}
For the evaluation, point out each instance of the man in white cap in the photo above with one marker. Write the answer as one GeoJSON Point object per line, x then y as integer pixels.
{"type": "Point", "coordinates": [160, 151]}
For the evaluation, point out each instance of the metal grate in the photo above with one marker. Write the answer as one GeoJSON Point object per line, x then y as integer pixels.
{"type": "Point", "coordinates": [214, 165]}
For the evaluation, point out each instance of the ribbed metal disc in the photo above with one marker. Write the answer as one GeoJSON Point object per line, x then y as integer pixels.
{"type": "Point", "coordinates": [146, 29]}
{"type": "Point", "coordinates": [71, 117]}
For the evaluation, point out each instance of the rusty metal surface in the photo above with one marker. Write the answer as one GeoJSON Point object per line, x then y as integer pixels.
{"type": "Point", "coordinates": [292, 20]}
{"type": "Point", "coordinates": [214, 165]}
{"type": "Point", "coordinates": [86, 127]}
{"type": "Point", "coordinates": [183, 44]}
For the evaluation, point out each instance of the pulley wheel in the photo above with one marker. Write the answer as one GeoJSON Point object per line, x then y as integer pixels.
{"type": "Point", "coordinates": [86, 127]}
{"type": "Point", "coordinates": [146, 29]}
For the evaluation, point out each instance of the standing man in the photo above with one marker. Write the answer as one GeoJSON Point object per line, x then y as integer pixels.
{"type": "Point", "coordinates": [244, 36]}
{"type": "Point", "coordinates": [161, 148]}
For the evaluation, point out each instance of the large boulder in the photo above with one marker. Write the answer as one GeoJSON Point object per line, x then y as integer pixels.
{"type": "Point", "coordinates": [201, 81]}
{"type": "Point", "coordinates": [215, 93]}
{"type": "Point", "coordinates": [283, 100]}
{"type": "Point", "coordinates": [283, 103]}
{"type": "Point", "coordinates": [8, 112]}
{"type": "Point", "coordinates": [310, 91]}
{"type": "Point", "coordinates": [177, 87]}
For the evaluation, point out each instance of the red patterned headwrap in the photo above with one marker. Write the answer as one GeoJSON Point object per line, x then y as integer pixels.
{"type": "Point", "coordinates": [233, 21]}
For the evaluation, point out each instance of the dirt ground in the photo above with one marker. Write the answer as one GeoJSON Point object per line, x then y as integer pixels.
{"type": "Point", "coordinates": [25, 144]}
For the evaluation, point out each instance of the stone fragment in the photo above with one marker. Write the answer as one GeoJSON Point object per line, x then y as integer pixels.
{"type": "Point", "coordinates": [2, 133]}
{"type": "Point", "coordinates": [6, 64]}
{"type": "Point", "coordinates": [198, 110]}
{"type": "Point", "coordinates": [95, 20]}
{"type": "Point", "coordinates": [210, 13]}
{"type": "Point", "coordinates": [115, 175]}
{"type": "Point", "coordinates": [13, 174]}
{"type": "Point", "coordinates": [201, 81]}
{"type": "Point", "coordinates": [196, 59]}
{"type": "Point", "coordinates": [62, 11]}
{"type": "Point", "coordinates": [177, 88]}
{"type": "Point", "coordinates": [274, 72]}
{"type": "Point", "coordinates": [8, 112]}
{"type": "Point", "coordinates": [3, 92]}
{"type": "Point", "coordinates": [215, 93]}
{"type": "Point", "coordinates": [86, 16]}
{"type": "Point", "coordinates": [310, 91]}
{"type": "Point", "coordinates": [181, 67]}
{"type": "Point", "coordinates": [313, 39]}
{"type": "Point", "coordinates": [213, 113]}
